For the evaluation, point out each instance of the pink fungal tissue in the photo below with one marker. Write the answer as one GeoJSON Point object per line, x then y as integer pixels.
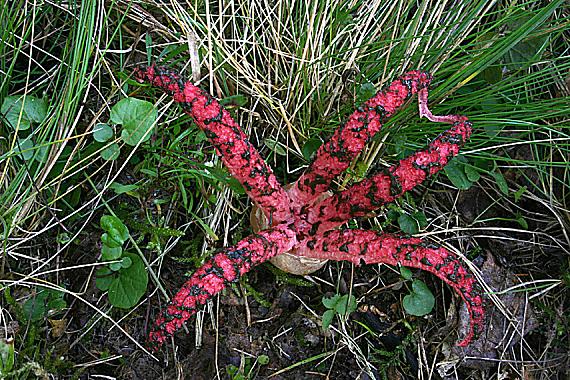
{"type": "Point", "coordinates": [302, 220]}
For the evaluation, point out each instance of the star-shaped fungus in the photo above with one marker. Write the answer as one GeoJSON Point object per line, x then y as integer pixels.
{"type": "Point", "coordinates": [305, 222]}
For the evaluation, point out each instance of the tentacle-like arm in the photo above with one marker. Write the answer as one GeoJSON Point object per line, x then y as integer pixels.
{"type": "Point", "coordinates": [369, 194]}
{"type": "Point", "coordinates": [240, 157]}
{"type": "Point", "coordinates": [222, 269]}
{"type": "Point", "coordinates": [373, 247]}
{"type": "Point", "coordinates": [336, 154]}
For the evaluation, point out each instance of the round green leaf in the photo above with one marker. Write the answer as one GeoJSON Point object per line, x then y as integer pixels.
{"type": "Point", "coordinates": [365, 92]}
{"type": "Point", "coordinates": [263, 359]}
{"type": "Point", "coordinates": [408, 224]}
{"type": "Point", "coordinates": [115, 228]}
{"type": "Point", "coordinates": [109, 241]}
{"type": "Point", "coordinates": [421, 218]}
{"type": "Point", "coordinates": [130, 284]}
{"type": "Point", "coordinates": [331, 302]}
{"type": "Point", "coordinates": [472, 174]}
{"type": "Point", "coordinates": [56, 304]}
{"type": "Point", "coordinates": [111, 153]}
{"type": "Point", "coordinates": [103, 278]}
{"type": "Point", "coordinates": [126, 262]}
{"type": "Point", "coordinates": [115, 267]}
{"type": "Point", "coordinates": [530, 48]}
{"type": "Point", "coordinates": [346, 305]}
{"type": "Point", "coordinates": [42, 154]}
{"type": "Point", "coordinates": [25, 148]}
{"type": "Point", "coordinates": [137, 118]}
{"type": "Point", "coordinates": [455, 173]}
{"type": "Point", "coordinates": [35, 308]}
{"type": "Point", "coordinates": [420, 301]}
{"type": "Point", "coordinates": [310, 147]}
{"type": "Point", "coordinates": [25, 110]}
{"type": "Point", "coordinates": [102, 132]}
{"type": "Point", "coordinates": [111, 253]}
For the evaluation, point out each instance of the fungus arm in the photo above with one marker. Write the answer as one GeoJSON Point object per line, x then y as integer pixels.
{"type": "Point", "coordinates": [240, 157]}
{"type": "Point", "coordinates": [216, 273]}
{"type": "Point", "coordinates": [371, 193]}
{"type": "Point", "coordinates": [336, 154]}
{"type": "Point", "coordinates": [373, 247]}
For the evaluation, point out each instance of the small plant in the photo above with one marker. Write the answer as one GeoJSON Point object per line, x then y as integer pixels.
{"type": "Point", "coordinates": [420, 301]}
{"type": "Point", "coordinates": [21, 113]}
{"type": "Point", "coordinates": [337, 305]}
{"type": "Point", "coordinates": [6, 356]}
{"type": "Point", "coordinates": [124, 276]}
{"type": "Point", "coordinates": [45, 303]}
{"type": "Point", "coordinates": [136, 116]}
{"type": "Point", "coordinates": [234, 372]}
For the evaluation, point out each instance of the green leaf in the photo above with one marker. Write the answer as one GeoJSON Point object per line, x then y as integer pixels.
{"type": "Point", "coordinates": [346, 305]}
{"type": "Point", "coordinates": [521, 221]}
{"type": "Point", "coordinates": [235, 185]}
{"type": "Point", "coordinates": [331, 302]}
{"type": "Point", "coordinates": [327, 318]}
{"type": "Point", "coordinates": [6, 356]}
{"type": "Point", "coordinates": [420, 301]}
{"type": "Point", "coordinates": [501, 182]}
{"type": "Point", "coordinates": [148, 44]}
{"type": "Point", "coordinates": [115, 267]}
{"type": "Point", "coordinates": [32, 109]}
{"type": "Point", "coordinates": [399, 147]}
{"type": "Point", "coordinates": [126, 262]}
{"type": "Point", "coordinates": [406, 273]}
{"type": "Point", "coordinates": [275, 146]}
{"type": "Point", "coordinates": [527, 50]}
{"type": "Point", "coordinates": [111, 153]}
{"type": "Point", "coordinates": [44, 301]}
{"type": "Point", "coordinates": [42, 154]}
{"type": "Point", "coordinates": [455, 173]}
{"type": "Point", "coordinates": [56, 305]}
{"type": "Point", "coordinates": [111, 253]}
{"type": "Point", "coordinates": [408, 225]}
{"type": "Point", "coordinates": [492, 74]}
{"type": "Point", "coordinates": [492, 130]}
{"type": "Point", "coordinates": [421, 218]}
{"type": "Point", "coordinates": [25, 148]}
{"type": "Point", "coordinates": [35, 308]}
{"type": "Point", "coordinates": [109, 241]}
{"type": "Point", "coordinates": [115, 228]}
{"type": "Point", "coordinates": [310, 147]}
{"type": "Point", "coordinates": [200, 137]}
{"type": "Point", "coordinates": [234, 100]}
{"type": "Point", "coordinates": [472, 174]}
{"type": "Point", "coordinates": [103, 278]}
{"type": "Point", "coordinates": [365, 92]}
{"type": "Point", "coordinates": [263, 359]}
{"type": "Point", "coordinates": [518, 194]}
{"type": "Point", "coordinates": [102, 132]}
{"type": "Point", "coordinates": [130, 284]}
{"type": "Point", "coordinates": [119, 188]}
{"type": "Point", "coordinates": [137, 118]}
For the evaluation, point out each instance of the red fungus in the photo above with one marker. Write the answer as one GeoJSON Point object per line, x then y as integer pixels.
{"type": "Point", "coordinates": [303, 221]}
